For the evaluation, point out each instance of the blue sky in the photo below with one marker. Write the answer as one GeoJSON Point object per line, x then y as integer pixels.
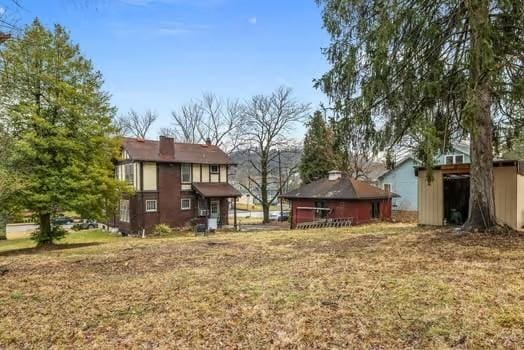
{"type": "Point", "coordinates": [159, 54]}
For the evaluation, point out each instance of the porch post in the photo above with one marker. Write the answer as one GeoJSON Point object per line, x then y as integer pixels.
{"type": "Point", "coordinates": [235, 212]}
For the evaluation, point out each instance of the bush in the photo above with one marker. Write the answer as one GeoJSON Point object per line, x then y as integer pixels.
{"type": "Point", "coordinates": [162, 230]}
{"type": "Point", "coordinates": [57, 233]}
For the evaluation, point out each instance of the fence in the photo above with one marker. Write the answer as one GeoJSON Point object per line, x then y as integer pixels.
{"type": "Point", "coordinates": [325, 223]}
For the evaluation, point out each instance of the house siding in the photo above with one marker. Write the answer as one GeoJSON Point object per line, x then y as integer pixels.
{"type": "Point", "coordinates": [149, 173]}
{"type": "Point", "coordinates": [404, 183]}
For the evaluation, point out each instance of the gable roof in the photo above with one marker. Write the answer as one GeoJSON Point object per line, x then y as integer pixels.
{"type": "Point", "coordinates": [149, 151]}
{"type": "Point", "coordinates": [343, 188]}
{"type": "Point", "coordinates": [397, 166]}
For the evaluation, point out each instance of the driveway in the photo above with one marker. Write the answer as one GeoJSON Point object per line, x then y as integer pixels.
{"type": "Point", "coordinates": [15, 231]}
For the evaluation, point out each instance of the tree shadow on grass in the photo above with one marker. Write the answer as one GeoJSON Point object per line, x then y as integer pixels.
{"type": "Point", "coordinates": [47, 248]}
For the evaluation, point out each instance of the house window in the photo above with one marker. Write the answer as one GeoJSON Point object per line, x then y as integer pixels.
{"type": "Point", "coordinates": [185, 204]}
{"type": "Point", "coordinates": [214, 169]}
{"type": "Point", "coordinates": [459, 159]}
{"type": "Point", "coordinates": [129, 171]}
{"type": "Point", "coordinates": [214, 207]}
{"type": "Point", "coordinates": [124, 210]}
{"type": "Point", "coordinates": [449, 159]}
{"type": "Point", "coordinates": [151, 206]}
{"type": "Point", "coordinates": [186, 173]}
{"type": "Point", "coordinates": [319, 212]}
{"type": "Point", "coordinates": [375, 210]}
{"type": "Point", "coordinates": [387, 188]}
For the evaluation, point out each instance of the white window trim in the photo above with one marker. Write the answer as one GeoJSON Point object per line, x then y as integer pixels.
{"type": "Point", "coordinates": [390, 186]}
{"type": "Point", "coordinates": [455, 158]}
{"type": "Point", "coordinates": [182, 204]}
{"type": "Point", "coordinates": [211, 169]}
{"type": "Point", "coordinates": [151, 210]}
{"type": "Point", "coordinates": [217, 207]}
{"type": "Point", "coordinates": [190, 167]}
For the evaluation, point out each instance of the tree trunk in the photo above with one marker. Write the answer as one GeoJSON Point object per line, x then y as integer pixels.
{"type": "Point", "coordinates": [481, 193]}
{"type": "Point", "coordinates": [265, 200]}
{"type": "Point", "coordinates": [45, 235]}
{"type": "Point", "coordinates": [264, 166]}
{"type": "Point", "coordinates": [3, 226]}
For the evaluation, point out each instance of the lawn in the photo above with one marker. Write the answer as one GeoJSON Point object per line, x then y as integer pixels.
{"type": "Point", "coordinates": [378, 287]}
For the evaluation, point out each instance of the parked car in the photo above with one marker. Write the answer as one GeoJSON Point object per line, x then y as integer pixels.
{"type": "Point", "coordinates": [61, 220]}
{"type": "Point", "coordinates": [279, 217]}
{"type": "Point", "coordinates": [86, 224]}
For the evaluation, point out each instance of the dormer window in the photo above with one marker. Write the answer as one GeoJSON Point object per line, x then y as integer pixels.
{"type": "Point", "coordinates": [214, 169]}
{"type": "Point", "coordinates": [454, 159]}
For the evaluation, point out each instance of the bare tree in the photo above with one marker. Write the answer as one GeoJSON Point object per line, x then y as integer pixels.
{"type": "Point", "coordinates": [269, 119]}
{"type": "Point", "coordinates": [187, 123]}
{"type": "Point", "coordinates": [209, 118]}
{"type": "Point", "coordinates": [136, 124]}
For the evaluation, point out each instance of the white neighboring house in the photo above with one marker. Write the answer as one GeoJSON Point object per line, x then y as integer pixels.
{"type": "Point", "coordinates": [402, 180]}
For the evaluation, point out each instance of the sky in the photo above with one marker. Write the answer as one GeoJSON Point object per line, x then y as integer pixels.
{"type": "Point", "coordinates": [160, 54]}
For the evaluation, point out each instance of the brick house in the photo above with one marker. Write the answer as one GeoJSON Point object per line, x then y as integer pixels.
{"type": "Point", "coordinates": [175, 184]}
{"type": "Point", "coordinates": [339, 197]}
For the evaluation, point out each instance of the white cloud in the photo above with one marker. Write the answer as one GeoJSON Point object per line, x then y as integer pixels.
{"type": "Point", "coordinates": [158, 29]}
{"type": "Point", "coordinates": [2, 11]}
{"type": "Point", "coordinates": [252, 20]}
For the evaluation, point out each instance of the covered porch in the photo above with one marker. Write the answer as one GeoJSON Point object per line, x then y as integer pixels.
{"type": "Point", "coordinates": [213, 203]}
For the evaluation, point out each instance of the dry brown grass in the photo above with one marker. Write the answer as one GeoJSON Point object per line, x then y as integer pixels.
{"type": "Point", "coordinates": [376, 287]}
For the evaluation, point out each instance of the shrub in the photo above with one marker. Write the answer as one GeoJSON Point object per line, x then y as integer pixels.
{"type": "Point", "coordinates": [162, 230]}
{"type": "Point", "coordinates": [57, 233]}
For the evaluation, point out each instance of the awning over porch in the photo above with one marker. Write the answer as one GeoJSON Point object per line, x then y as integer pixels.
{"type": "Point", "coordinates": [216, 190]}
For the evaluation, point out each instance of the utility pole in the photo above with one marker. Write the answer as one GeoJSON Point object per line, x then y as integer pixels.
{"type": "Point", "coordinates": [280, 185]}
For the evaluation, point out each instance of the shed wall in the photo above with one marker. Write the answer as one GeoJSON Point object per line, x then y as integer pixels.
{"type": "Point", "coordinates": [430, 199]}
{"type": "Point", "coordinates": [520, 202]}
{"type": "Point", "coordinates": [505, 188]}
{"type": "Point", "coordinates": [358, 210]}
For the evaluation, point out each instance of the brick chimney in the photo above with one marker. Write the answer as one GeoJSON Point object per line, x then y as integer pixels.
{"type": "Point", "coordinates": [167, 146]}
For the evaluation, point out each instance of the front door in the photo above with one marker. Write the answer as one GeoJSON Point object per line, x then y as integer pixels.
{"type": "Point", "coordinates": [214, 209]}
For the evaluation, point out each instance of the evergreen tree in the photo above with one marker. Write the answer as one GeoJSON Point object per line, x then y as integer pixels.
{"type": "Point", "coordinates": [425, 72]}
{"type": "Point", "coordinates": [61, 124]}
{"type": "Point", "coordinates": [318, 157]}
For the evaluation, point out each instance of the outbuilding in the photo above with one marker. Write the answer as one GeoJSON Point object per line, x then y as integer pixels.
{"type": "Point", "coordinates": [445, 199]}
{"type": "Point", "coordinates": [338, 198]}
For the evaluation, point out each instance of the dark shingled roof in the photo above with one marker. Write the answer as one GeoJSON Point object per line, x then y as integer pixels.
{"type": "Point", "coordinates": [343, 188]}
{"type": "Point", "coordinates": [149, 150]}
{"type": "Point", "coordinates": [216, 190]}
